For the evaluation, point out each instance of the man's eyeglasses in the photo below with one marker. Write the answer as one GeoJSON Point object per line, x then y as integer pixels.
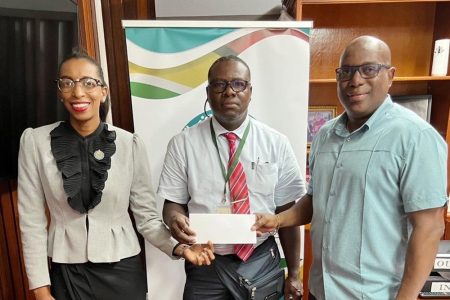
{"type": "Point", "coordinates": [237, 85]}
{"type": "Point", "coordinates": [366, 71]}
{"type": "Point", "coordinates": [88, 84]}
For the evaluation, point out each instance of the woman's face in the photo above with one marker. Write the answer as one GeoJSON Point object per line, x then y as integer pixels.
{"type": "Point", "coordinates": [83, 104]}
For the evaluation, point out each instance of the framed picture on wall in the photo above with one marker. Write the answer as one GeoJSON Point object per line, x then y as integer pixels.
{"type": "Point", "coordinates": [317, 116]}
{"type": "Point", "coordinates": [420, 104]}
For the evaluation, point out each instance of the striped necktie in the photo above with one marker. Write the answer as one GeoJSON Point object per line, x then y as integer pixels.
{"type": "Point", "coordinates": [239, 194]}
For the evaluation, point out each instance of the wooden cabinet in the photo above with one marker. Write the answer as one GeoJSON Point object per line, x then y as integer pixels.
{"type": "Point", "coordinates": [13, 280]}
{"type": "Point", "coordinates": [410, 29]}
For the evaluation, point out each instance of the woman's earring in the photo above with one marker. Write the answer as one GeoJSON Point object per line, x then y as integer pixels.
{"type": "Point", "coordinates": [61, 100]}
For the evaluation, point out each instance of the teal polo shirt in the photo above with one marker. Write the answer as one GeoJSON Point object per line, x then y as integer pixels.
{"type": "Point", "coordinates": [363, 185]}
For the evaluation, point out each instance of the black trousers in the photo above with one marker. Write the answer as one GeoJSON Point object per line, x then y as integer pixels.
{"type": "Point", "coordinates": [212, 283]}
{"type": "Point", "coordinates": [122, 280]}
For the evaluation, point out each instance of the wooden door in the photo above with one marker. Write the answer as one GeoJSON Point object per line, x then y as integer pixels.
{"type": "Point", "coordinates": [13, 280]}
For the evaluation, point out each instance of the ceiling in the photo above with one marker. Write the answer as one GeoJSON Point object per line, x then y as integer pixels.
{"type": "Point", "coordinates": [251, 9]}
{"type": "Point", "coordinates": [45, 5]}
{"type": "Point", "coordinates": [214, 8]}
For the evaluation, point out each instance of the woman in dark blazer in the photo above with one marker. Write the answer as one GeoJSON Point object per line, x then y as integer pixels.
{"type": "Point", "coordinates": [88, 173]}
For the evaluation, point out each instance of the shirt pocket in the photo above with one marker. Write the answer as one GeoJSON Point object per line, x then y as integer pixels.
{"type": "Point", "coordinates": [263, 179]}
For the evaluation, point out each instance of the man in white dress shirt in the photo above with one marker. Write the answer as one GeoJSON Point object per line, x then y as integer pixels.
{"type": "Point", "coordinates": [194, 180]}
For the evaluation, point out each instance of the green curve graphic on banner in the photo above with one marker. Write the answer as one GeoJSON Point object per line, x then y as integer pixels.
{"type": "Point", "coordinates": [181, 39]}
{"type": "Point", "coordinates": [198, 118]}
{"type": "Point", "coordinates": [150, 92]}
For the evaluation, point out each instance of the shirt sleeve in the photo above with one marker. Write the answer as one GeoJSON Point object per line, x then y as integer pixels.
{"type": "Point", "coordinates": [173, 183]}
{"type": "Point", "coordinates": [423, 182]}
{"type": "Point", "coordinates": [291, 185]}
{"type": "Point", "coordinates": [32, 217]}
{"type": "Point", "coordinates": [311, 160]}
{"type": "Point", "coordinates": [143, 202]}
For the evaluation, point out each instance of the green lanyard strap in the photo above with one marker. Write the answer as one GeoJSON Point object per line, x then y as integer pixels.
{"type": "Point", "coordinates": [227, 175]}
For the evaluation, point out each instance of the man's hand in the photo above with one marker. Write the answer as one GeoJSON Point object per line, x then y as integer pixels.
{"type": "Point", "coordinates": [43, 293]}
{"type": "Point", "coordinates": [179, 227]}
{"type": "Point", "coordinates": [265, 223]}
{"type": "Point", "coordinates": [293, 289]}
{"type": "Point", "coordinates": [200, 254]}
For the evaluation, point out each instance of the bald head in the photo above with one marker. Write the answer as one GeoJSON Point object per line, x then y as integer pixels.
{"type": "Point", "coordinates": [368, 44]}
{"type": "Point", "coordinates": [368, 75]}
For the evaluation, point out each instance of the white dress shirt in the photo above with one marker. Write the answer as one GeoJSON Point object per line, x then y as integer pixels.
{"type": "Point", "coordinates": [192, 173]}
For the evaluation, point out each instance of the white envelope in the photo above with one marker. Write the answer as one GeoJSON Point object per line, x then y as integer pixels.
{"type": "Point", "coordinates": [223, 228]}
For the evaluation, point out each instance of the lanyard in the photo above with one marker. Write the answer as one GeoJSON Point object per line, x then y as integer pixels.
{"type": "Point", "coordinates": [227, 175]}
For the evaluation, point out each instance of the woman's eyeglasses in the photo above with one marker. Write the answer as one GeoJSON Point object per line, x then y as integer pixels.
{"type": "Point", "coordinates": [88, 84]}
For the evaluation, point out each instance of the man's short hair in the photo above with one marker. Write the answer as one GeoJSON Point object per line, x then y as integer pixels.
{"type": "Point", "coordinates": [227, 58]}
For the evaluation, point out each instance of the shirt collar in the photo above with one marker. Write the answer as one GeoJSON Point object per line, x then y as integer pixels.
{"type": "Point", "coordinates": [219, 130]}
{"type": "Point", "coordinates": [381, 111]}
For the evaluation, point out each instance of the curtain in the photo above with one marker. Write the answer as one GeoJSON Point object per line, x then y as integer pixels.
{"type": "Point", "coordinates": [32, 46]}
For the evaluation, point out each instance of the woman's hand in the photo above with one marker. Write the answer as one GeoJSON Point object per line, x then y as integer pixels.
{"type": "Point", "coordinates": [199, 254]}
{"type": "Point", "coordinates": [43, 293]}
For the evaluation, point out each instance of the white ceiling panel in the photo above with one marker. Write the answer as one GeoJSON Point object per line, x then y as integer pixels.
{"type": "Point", "coordinates": [193, 8]}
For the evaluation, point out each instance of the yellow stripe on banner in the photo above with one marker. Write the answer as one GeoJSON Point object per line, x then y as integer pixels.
{"type": "Point", "coordinates": [190, 74]}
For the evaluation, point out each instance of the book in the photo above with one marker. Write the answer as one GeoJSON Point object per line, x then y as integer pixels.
{"type": "Point", "coordinates": [442, 261]}
{"type": "Point", "coordinates": [444, 248]}
{"type": "Point", "coordinates": [440, 57]}
{"type": "Point", "coordinates": [434, 295]}
{"type": "Point", "coordinates": [436, 283]}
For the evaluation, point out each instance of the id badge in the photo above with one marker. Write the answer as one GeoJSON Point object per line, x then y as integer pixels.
{"type": "Point", "coordinates": [223, 208]}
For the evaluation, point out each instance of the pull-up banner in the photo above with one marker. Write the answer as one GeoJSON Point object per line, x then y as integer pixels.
{"type": "Point", "coordinates": [168, 64]}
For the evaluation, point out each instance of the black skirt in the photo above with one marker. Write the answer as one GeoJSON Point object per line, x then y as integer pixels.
{"type": "Point", "coordinates": [121, 280]}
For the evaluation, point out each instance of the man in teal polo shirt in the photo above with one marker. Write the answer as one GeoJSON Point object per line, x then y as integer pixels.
{"type": "Point", "coordinates": [378, 188]}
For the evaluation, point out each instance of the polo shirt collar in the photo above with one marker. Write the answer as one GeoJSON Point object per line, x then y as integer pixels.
{"type": "Point", "coordinates": [379, 113]}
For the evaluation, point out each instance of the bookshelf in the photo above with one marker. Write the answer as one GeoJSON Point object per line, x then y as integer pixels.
{"type": "Point", "coordinates": [410, 29]}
